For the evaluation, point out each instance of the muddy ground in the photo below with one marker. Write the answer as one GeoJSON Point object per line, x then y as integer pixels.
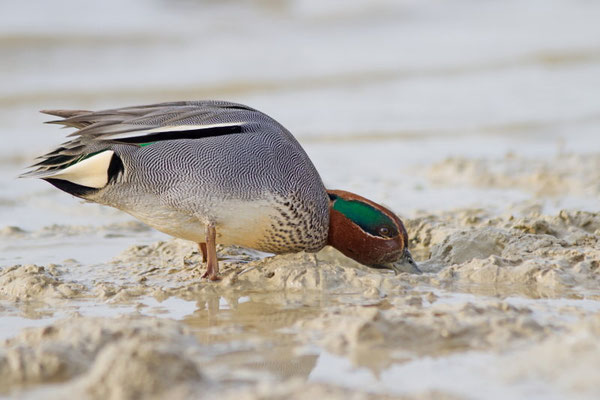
{"type": "Point", "coordinates": [512, 297]}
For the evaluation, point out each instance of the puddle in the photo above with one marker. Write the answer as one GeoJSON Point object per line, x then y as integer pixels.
{"type": "Point", "coordinates": [452, 375]}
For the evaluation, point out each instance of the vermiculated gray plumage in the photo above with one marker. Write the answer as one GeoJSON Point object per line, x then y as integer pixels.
{"type": "Point", "coordinates": [179, 166]}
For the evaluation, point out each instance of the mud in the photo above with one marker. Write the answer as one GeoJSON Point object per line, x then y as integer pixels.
{"type": "Point", "coordinates": [477, 266]}
{"type": "Point", "coordinates": [562, 174]}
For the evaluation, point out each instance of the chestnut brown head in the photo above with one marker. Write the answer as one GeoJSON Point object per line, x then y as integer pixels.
{"type": "Point", "coordinates": [368, 233]}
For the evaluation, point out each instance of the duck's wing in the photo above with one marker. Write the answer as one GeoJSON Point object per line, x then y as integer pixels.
{"type": "Point", "coordinates": [139, 125]}
{"type": "Point", "coordinates": [130, 124]}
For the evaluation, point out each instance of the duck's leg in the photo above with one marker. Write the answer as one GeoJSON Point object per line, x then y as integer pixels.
{"type": "Point", "coordinates": [202, 247]}
{"type": "Point", "coordinates": [212, 264]}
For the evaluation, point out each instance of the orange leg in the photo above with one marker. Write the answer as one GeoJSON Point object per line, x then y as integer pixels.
{"type": "Point", "coordinates": [202, 247]}
{"type": "Point", "coordinates": [212, 264]}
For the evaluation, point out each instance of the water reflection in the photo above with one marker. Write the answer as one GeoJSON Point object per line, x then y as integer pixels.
{"type": "Point", "coordinates": [254, 332]}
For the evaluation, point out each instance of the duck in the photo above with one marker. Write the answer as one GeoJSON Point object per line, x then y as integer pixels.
{"type": "Point", "coordinates": [216, 172]}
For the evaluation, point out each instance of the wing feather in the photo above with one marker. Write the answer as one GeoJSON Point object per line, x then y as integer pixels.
{"type": "Point", "coordinates": [96, 130]}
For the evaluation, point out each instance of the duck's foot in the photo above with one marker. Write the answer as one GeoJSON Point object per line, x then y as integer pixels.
{"type": "Point", "coordinates": [202, 247]}
{"type": "Point", "coordinates": [209, 252]}
{"type": "Point", "coordinates": [211, 276]}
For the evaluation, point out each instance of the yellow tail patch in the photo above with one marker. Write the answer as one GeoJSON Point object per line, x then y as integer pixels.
{"type": "Point", "coordinates": [91, 172]}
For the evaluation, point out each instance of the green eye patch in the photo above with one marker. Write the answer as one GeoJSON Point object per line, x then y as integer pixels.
{"type": "Point", "coordinates": [365, 216]}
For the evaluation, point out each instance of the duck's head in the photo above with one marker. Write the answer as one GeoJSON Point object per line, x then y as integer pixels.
{"type": "Point", "coordinates": [368, 233]}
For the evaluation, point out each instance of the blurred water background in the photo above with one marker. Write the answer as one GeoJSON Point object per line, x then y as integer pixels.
{"type": "Point", "coordinates": [374, 89]}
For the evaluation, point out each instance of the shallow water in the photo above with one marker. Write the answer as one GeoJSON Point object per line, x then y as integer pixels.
{"type": "Point", "coordinates": [477, 122]}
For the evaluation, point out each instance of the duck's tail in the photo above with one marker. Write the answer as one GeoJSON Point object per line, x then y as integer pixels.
{"type": "Point", "coordinates": [75, 167]}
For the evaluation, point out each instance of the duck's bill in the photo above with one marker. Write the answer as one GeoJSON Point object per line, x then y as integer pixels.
{"type": "Point", "coordinates": [404, 264]}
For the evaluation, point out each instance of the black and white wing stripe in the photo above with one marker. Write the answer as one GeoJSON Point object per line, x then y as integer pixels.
{"type": "Point", "coordinates": [96, 131]}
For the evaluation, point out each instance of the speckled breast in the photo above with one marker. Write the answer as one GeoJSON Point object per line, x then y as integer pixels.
{"type": "Point", "coordinates": [296, 224]}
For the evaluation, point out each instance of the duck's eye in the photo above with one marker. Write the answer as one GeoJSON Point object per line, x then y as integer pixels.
{"type": "Point", "coordinates": [384, 231]}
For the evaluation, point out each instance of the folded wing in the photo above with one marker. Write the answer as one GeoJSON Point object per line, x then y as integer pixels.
{"type": "Point", "coordinates": [138, 126]}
